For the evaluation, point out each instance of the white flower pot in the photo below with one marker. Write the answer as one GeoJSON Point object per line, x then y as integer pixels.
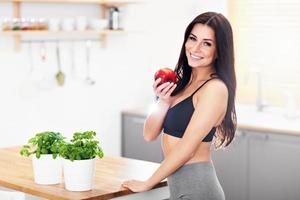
{"type": "Point", "coordinates": [79, 174]}
{"type": "Point", "coordinates": [47, 170]}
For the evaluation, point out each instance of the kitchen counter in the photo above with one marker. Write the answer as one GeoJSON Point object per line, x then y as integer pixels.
{"type": "Point", "coordinates": [271, 120]}
{"type": "Point", "coordinates": [16, 173]}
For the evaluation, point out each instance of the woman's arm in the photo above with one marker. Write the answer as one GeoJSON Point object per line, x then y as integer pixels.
{"type": "Point", "coordinates": [208, 110]}
{"type": "Point", "coordinates": [154, 121]}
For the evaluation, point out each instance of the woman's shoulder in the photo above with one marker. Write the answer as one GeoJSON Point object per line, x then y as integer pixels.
{"type": "Point", "coordinates": [215, 87]}
{"type": "Point", "coordinates": [217, 84]}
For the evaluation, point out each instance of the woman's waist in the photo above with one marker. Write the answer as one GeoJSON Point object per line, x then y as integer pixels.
{"type": "Point", "coordinates": [202, 154]}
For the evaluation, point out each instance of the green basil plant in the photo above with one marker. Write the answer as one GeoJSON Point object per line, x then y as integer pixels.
{"type": "Point", "coordinates": [83, 146]}
{"type": "Point", "coordinates": [43, 143]}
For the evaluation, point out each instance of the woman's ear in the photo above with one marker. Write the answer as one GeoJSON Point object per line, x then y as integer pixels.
{"type": "Point", "coordinates": [216, 56]}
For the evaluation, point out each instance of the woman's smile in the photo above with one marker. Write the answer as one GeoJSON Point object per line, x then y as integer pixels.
{"type": "Point", "coordinates": [195, 57]}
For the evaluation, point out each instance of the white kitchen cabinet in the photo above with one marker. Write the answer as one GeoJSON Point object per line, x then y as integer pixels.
{"type": "Point", "coordinates": [231, 167]}
{"type": "Point", "coordinates": [133, 143]}
{"type": "Point", "coordinates": [274, 166]}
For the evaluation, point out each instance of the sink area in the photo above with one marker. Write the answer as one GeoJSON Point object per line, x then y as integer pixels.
{"type": "Point", "coordinates": [269, 118]}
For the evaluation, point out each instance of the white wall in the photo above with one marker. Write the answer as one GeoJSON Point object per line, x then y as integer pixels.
{"type": "Point", "coordinates": [123, 71]}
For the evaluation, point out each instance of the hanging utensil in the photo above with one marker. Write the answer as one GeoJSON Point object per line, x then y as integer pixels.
{"type": "Point", "coordinates": [34, 71]}
{"type": "Point", "coordinates": [88, 79]}
{"type": "Point", "coordinates": [43, 50]}
{"type": "Point", "coordinates": [60, 76]}
{"type": "Point", "coordinates": [31, 67]}
{"type": "Point", "coordinates": [72, 57]}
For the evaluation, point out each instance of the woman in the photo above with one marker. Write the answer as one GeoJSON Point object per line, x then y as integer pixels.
{"type": "Point", "coordinates": [192, 112]}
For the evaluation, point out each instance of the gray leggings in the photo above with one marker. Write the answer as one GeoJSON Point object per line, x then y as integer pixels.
{"type": "Point", "coordinates": [195, 181]}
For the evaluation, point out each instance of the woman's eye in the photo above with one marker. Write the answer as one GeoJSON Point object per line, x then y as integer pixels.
{"type": "Point", "coordinates": [207, 44]}
{"type": "Point", "coordinates": [192, 38]}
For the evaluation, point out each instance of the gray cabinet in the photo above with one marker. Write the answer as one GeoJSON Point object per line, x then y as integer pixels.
{"type": "Point", "coordinates": [260, 166]}
{"type": "Point", "coordinates": [231, 167]}
{"type": "Point", "coordinates": [274, 163]}
{"type": "Point", "coordinates": [133, 143]}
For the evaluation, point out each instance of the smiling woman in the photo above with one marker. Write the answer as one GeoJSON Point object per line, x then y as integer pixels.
{"type": "Point", "coordinates": [194, 111]}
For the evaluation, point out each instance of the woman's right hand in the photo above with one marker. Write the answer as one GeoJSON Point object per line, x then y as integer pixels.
{"type": "Point", "coordinates": [163, 91]}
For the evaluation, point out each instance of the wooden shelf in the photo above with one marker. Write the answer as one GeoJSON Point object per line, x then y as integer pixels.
{"type": "Point", "coordinates": [60, 33]}
{"type": "Point", "coordinates": [59, 36]}
{"type": "Point", "coordinates": [103, 2]}
{"type": "Point", "coordinates": [104, 5]}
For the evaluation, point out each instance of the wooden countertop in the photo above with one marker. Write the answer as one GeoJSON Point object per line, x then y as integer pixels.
{"type": "Point", "coordinates": [16, 173]}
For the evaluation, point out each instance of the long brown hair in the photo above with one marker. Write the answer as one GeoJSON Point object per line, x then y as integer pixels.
{"type": "Point", "coordinates": [224, 67]}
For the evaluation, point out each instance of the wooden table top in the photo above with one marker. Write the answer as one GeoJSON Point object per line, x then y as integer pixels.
{"type": "Point", "coordinates": [16, 173]}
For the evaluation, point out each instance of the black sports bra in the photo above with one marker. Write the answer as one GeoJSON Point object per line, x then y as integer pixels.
{"type": "Point", "coordinates": [178, 117]}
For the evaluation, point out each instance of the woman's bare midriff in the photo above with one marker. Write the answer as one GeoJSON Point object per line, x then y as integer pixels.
{"type": "Point", "coordinates": [201, 154]}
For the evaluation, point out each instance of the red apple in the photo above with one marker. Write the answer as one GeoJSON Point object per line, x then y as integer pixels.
{"type": "Point", "coordinates": [166, 75]}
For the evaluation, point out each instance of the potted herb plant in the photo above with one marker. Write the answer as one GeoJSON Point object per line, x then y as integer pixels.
{"type": "Point", "coordinates": [79, 160]}
{"type": "Point", "coordinates": [47, 166]}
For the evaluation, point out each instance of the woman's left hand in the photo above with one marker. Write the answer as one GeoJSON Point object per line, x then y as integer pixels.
{"type": "Point", "coordinates": [137, 186]}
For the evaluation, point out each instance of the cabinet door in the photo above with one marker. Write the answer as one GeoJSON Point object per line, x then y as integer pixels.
{"type": "Point", "coordinates": [133, 143]}
{"type": "Point", "coordinates": [231, 167]}
{"type": "Point", "coordinates": [274, 167]}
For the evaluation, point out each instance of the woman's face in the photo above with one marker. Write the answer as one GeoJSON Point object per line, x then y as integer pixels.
{"type": "Point", "coordinates": [200, 47]}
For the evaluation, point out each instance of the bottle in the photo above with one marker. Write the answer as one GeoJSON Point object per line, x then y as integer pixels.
{"type": "Point", "coordinates": [114, 18]}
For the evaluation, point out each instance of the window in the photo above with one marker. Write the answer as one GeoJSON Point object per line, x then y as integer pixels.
{"type": "Point", "coordinates": [267, 40]}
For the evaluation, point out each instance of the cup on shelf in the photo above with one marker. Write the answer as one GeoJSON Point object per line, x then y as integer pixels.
{"type": "Point", "coordinates": [68, 24]}
{"type": "Point", "coordinates": [54, 24]}
{"type": "Point", "coordinates": [81, 23]}
{"type": "Point", "coordinates": [98, 24]}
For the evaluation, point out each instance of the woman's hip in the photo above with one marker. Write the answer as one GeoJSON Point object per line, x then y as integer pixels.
{"type": "Point", "coordinates": [195, 181]}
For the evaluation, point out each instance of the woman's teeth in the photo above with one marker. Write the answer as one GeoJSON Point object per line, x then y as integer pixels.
{"type": "Point", "coordinates": [196, 57]}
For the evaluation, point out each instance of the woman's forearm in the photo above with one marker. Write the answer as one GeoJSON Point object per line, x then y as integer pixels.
{"type": "Point", "coordinates": [154, 121]}
{"type": "Point", "coordinates": [180, 154]}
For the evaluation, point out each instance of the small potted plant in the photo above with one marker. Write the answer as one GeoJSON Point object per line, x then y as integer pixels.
{"type": "Point", "coordinates": [79, 160]}
{"type": "Point", "coordinates": [47, 166]}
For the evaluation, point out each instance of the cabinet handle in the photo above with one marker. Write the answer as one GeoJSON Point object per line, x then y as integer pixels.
{"type": "Point", "coordinates": [266, 137]}
{"type": "Point", "coordinates": [138, 120]}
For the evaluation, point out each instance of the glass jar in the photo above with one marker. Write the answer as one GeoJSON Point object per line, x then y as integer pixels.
{"type": "Point", "coordinates": [42, 24]}
{"type": "Point", "coordinates": [16, 24]}
{"type": "Point", "coordinates": [34, 24]}
{"type": "Point", "coordinates": [6, 25]}
{"type": "Point", "coordinates": [25, 25]}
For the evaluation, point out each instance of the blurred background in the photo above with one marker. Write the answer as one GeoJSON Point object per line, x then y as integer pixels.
{"type": "Point", "coordinates": [80, 65]}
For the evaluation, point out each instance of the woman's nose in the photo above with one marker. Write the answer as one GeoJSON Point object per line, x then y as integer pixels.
{"type": "Point", "coordinates": [197, 46]}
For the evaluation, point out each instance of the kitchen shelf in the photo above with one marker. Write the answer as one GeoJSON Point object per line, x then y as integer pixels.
{"type": "Point", "coordinates": [103, 5]}
{"type": "Point", "coordinates": [60, 33]}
